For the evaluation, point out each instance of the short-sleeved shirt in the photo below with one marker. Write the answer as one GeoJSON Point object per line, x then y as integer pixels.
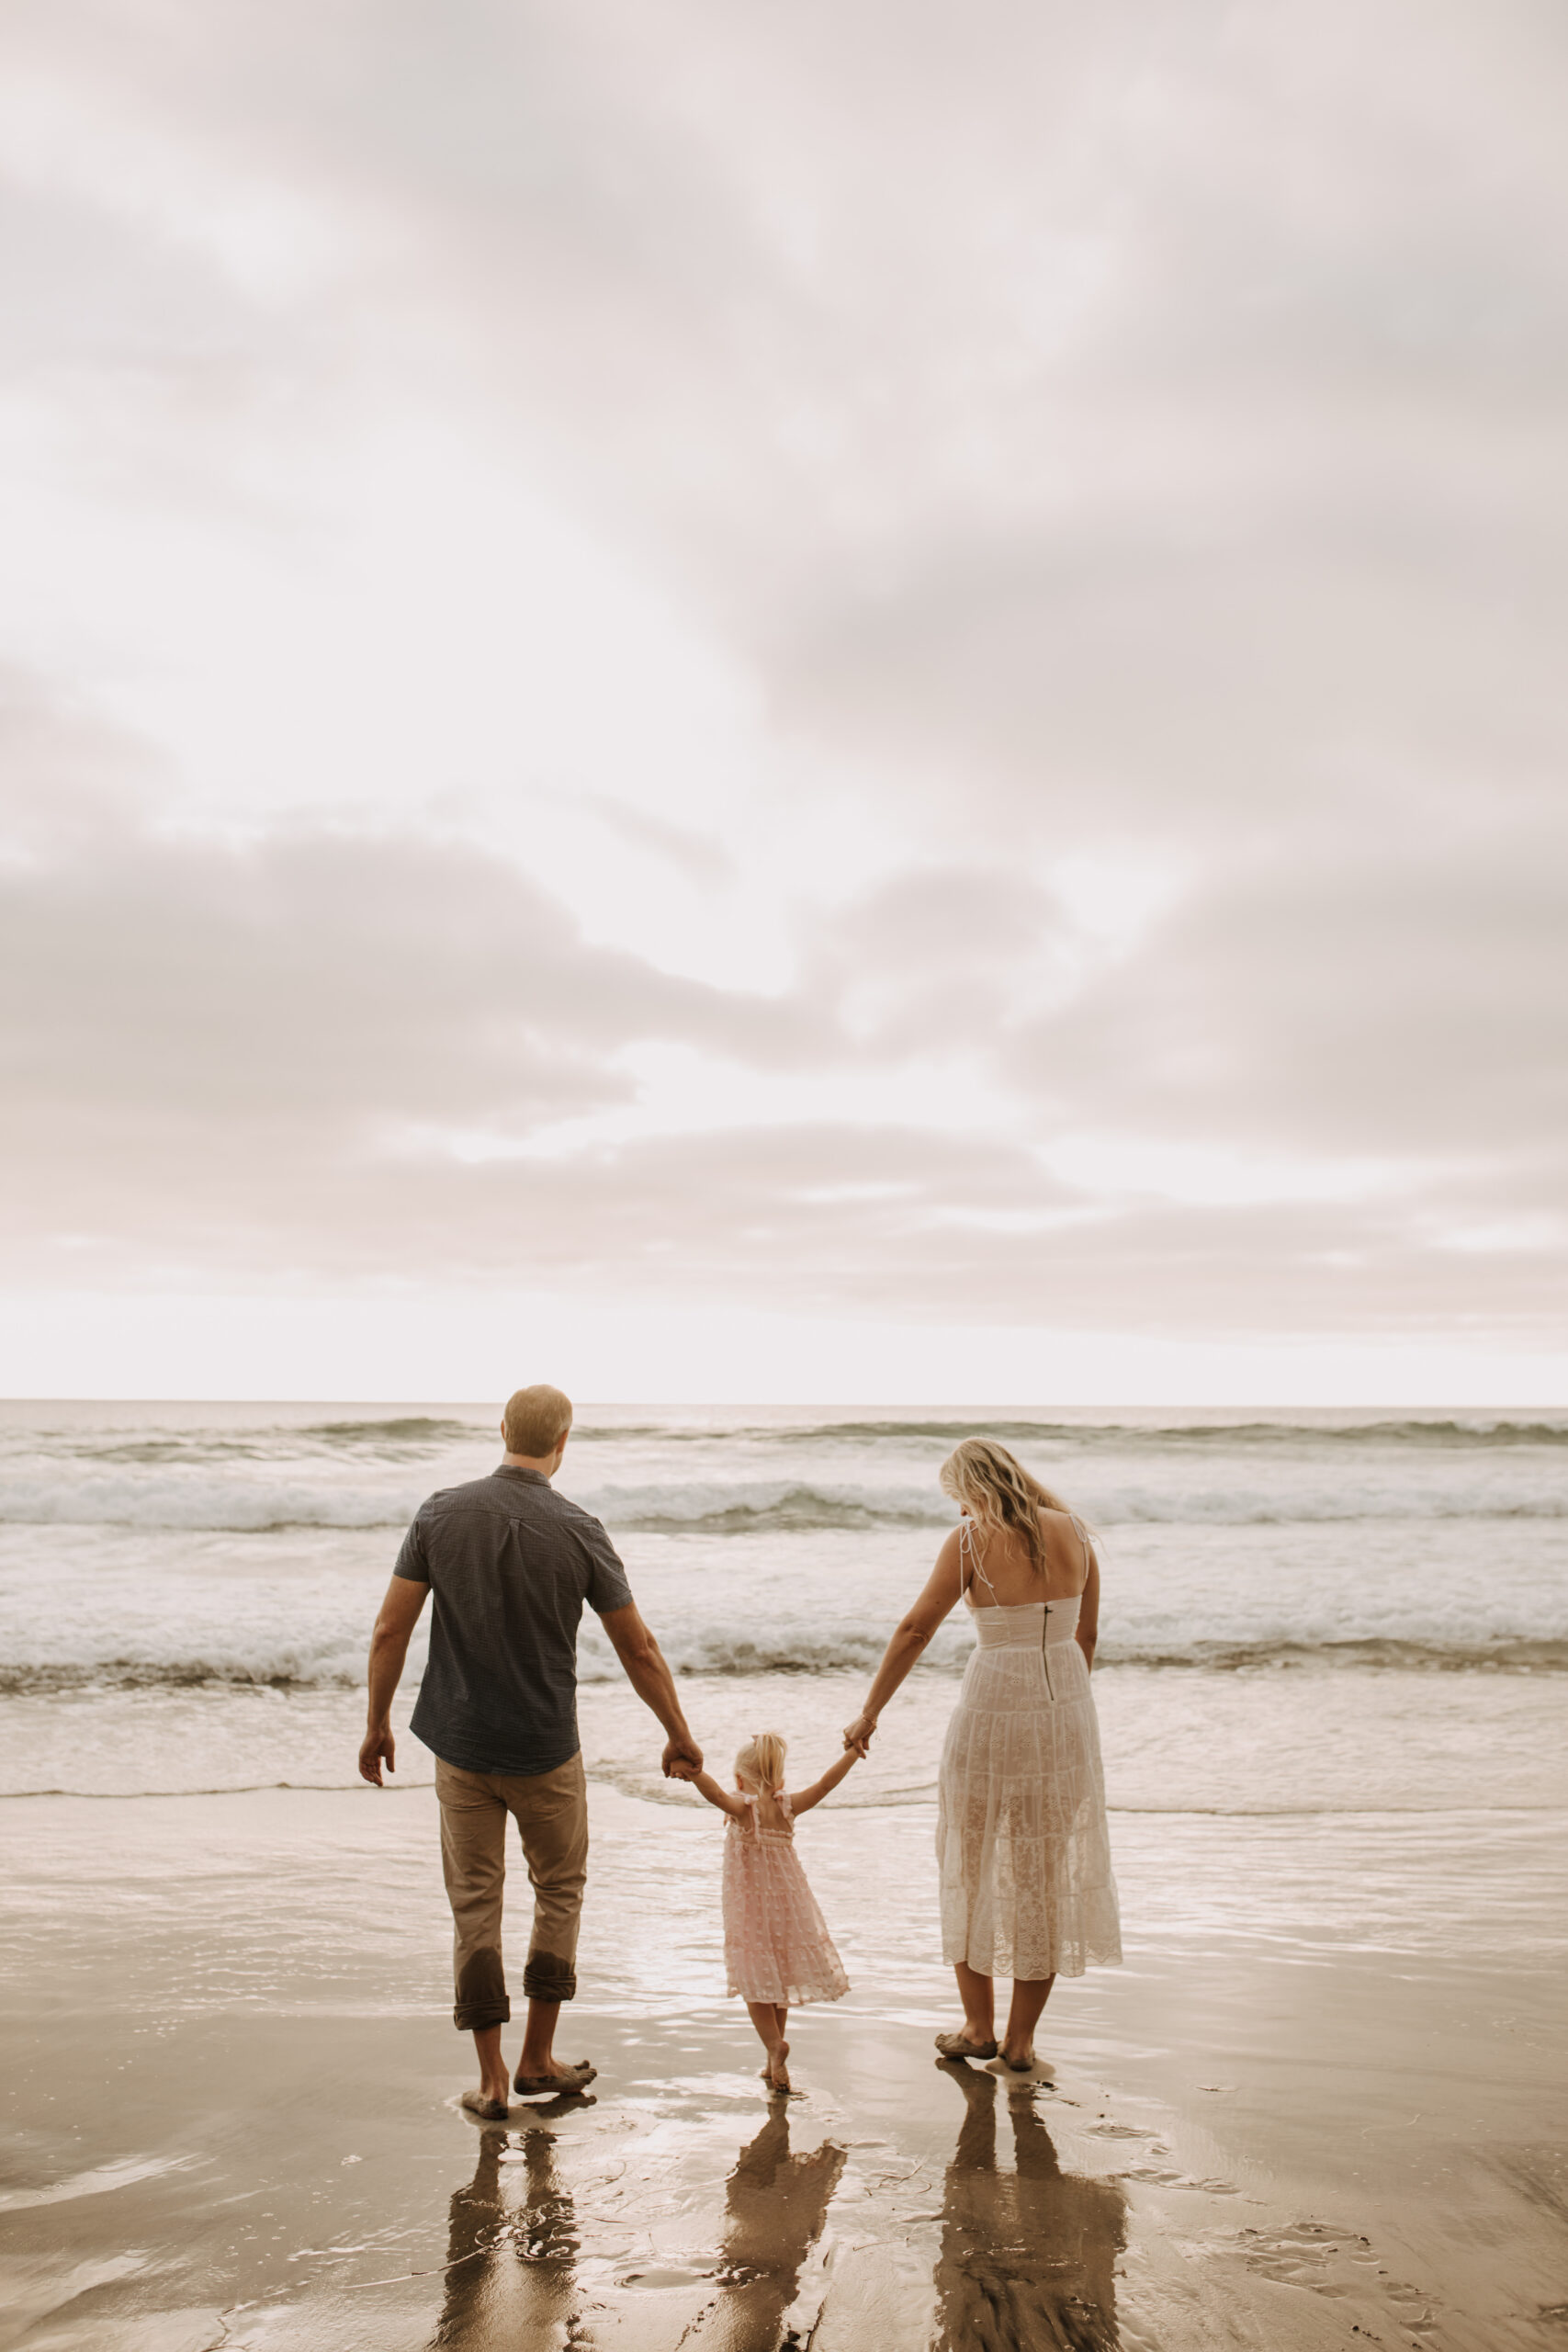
{"type": "Point", "coordinates": [509, 1562]}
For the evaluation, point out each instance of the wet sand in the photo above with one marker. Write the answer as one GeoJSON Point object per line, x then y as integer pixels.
{"type": "Point", "coordinates": [232, 2080]}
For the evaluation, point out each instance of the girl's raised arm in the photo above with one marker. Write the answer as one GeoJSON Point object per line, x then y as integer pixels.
{"type": "Point", "coordinates": [826, 1784]}
{"type": "Point", "coordinates": [724, 1799]}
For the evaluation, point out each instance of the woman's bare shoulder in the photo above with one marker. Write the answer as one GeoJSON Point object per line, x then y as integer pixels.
{"type": "Point", "coordinates": [1062, 1536]}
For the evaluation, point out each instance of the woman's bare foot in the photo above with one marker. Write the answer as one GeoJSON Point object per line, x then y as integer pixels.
{"type": "Point", "coordinates": [776, 2073]}
{"type": "Point", "coordinates": [967, 2044]}
{"type": "Point", "coordinates": [1018, 2055]}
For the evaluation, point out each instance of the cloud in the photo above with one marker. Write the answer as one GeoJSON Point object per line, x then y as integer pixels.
{"type": "Point", "coordinates": [326, 1058]}
{"type": "Point", "coordinates": [821, 659]}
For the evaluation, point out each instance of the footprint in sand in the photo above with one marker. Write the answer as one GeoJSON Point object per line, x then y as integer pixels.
{"type": "Point", "coordinates": [1307, 2254]}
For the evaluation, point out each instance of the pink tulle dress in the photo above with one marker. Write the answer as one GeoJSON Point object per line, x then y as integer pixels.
{"type": "Point", "coordinates": [776, 1945]}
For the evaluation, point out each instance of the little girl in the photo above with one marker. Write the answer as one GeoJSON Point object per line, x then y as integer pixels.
{"type": "Point", "coordinates": [776, 1946]}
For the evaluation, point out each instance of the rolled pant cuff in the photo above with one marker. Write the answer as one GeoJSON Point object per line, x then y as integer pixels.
{"type": "Point", "coordinates": [545, 1979]}
{"type": "Point", "coordinates": [474, 2017]}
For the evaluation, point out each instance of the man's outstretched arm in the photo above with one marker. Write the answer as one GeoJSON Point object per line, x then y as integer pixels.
{"type": "Point", "coordinates": [389, 1648]}
{"type": "Point", "coordinates": [650, 1677]}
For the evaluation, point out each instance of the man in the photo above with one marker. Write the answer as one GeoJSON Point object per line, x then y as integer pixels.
{"type": "Point", "coordinates": [510, 1563]}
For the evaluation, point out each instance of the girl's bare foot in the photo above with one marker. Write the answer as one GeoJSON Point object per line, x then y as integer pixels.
{"type": "Point", "coordinates": [1018, 2056]}
{"type": "Point", "coordinates": [776, 2071]}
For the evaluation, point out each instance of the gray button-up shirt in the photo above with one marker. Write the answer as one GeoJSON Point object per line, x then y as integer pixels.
{"type": "Point", "coordinates": [509, 1562]}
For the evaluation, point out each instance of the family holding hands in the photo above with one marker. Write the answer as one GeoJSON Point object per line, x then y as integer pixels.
{"type": "Point", "coordinates": [1022, 1851]}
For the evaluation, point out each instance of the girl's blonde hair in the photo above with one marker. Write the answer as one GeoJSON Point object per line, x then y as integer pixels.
{"type": "Point", "coordinates": [762, 1760]}
{"type": "Point", "coordinates": [999, 1492]}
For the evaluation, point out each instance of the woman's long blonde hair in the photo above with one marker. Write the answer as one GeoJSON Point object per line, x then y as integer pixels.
{"type": "Point", "coordinates": [762, 1760]}
{"type": "Point", "coordinates": [999, 1492]}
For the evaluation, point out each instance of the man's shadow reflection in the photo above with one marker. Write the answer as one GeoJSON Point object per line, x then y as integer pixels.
{"type": "Point", "coordinates": [775, 2204]}
{"type": "Point", "coordinates": [512, 2243]}
{"type": "Point", "coordinates": [1028, 2257]}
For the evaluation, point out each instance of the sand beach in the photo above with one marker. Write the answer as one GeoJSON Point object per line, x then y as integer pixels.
{"type": "Point", "coordinates": [233, 2078]}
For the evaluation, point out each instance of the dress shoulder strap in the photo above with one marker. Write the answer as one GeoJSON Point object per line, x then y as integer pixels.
{"type": "Point", "coordinates": [1081, 1532]}
{"type": "Point", "coordinates": [781, 1798]}
{"type": "Point", "coordinates": [970, 1564]}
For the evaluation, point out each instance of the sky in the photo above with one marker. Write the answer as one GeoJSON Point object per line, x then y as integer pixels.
{"type": "Point", "coordinates": [825, 702]}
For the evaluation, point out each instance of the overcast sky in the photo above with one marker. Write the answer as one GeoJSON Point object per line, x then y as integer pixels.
{"type": "Point", "coordinates": [833, 700]}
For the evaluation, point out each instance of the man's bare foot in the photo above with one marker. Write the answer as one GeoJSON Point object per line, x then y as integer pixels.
{"type": "Point", "coordinates": [486, 2105]}
{"type": "Point", "coordinates": [555, 2075]}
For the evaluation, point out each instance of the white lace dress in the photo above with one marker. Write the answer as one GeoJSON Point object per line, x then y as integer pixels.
{"type": "Point", "coordinates": [1021, 1843]}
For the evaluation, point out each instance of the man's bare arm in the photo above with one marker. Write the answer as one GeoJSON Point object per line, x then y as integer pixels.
{"type": "Point", "coordinates": [650, 1677]}
{"type": "Point", "coordinates": [389, 1648]}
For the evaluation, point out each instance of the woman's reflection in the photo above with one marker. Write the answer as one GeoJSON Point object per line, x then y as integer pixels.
{"type": "Point", "coordinates": [511, 2238]}
{"type": "Point", "coordinates": [1028, 2257]}
{"type": "Point", "coordinates": [775, 2206]}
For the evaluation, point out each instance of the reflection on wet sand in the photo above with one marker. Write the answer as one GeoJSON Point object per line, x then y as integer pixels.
{"type": "Point", "coordinates": [513, 2247]}
{"type": "Point", "coordinates": [511, 2238]}
{"type": "Point", "coordinates": [775, 2205]}
{"type": "Point", "coordinates": [1028, 2257]}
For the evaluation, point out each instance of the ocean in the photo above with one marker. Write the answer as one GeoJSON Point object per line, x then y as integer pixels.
{"type": "Point", "coordinates": [1311, 1612]}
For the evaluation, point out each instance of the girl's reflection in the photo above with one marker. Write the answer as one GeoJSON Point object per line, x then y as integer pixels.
{"type": "Point", "coordinates": [775, 2206]}
{"type": "Point", "coordinates": [512, 2236]}
{"type": "Point", "coordinates": [1028, 2257]}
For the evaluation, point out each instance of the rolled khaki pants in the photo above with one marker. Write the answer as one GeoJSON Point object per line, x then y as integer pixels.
{"type": "Point", "coordinates": [551, 1813]}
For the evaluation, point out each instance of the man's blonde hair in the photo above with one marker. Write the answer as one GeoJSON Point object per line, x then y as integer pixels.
{"type": "Point", "coordinates": [535, 1421]}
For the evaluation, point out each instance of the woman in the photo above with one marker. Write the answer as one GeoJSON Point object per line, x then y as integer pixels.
{"type": "Point", "coordinates": [1022, 1844]}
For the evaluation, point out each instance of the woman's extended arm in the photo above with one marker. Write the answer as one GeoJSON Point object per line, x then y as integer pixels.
{"type": "Point", "coordinates": [910, 1638]}
{"type": "Point", "coordinates": [725, 1799]}
{"type": "Point", "coordinates": [1087, 1632]}
{"type": "Point", "coordinates": [826, 1784]}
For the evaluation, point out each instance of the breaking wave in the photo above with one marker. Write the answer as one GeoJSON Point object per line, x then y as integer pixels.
{"type": "Point", "coordinates": [846, 1651]}
{"type": "Point", "coordinates": [254, 1474]}
{"type": "Point", "coordinates": [218, 1503]}
{"type": "Point", "coordinates": [1482, 1430]}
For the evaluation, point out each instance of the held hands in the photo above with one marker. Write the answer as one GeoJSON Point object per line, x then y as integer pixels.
{"type": "Point", "coordinates": [374, 1747]}
{"type": "Point", "coordinates": [860, 1733]}
{"type": "Point", "coordinates": [683, 1758]}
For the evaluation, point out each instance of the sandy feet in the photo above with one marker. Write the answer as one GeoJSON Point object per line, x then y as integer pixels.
{"type": "Point", "coordinates": [485, 2105]}
{"type": "Point", "coordinates": [560, 2075]}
